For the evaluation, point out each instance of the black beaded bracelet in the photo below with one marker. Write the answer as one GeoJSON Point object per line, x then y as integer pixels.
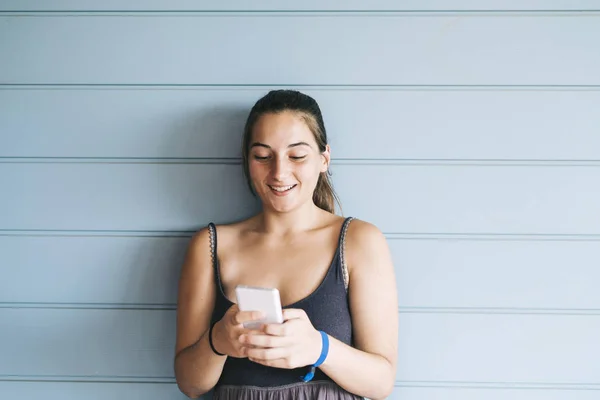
{"type": "Point", "coordinates": [210, 341]}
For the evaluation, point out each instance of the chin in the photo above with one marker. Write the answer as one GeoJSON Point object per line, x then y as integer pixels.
{"type": "Point", "coordinates": [283, 208]}
{"type": "Point", "coordinates": [282, 205]}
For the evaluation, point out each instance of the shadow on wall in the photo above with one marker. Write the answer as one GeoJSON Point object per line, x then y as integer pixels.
{"type": "Point", "coordinates": [193, 191]}
{"type": "Point", "coordinates": [214, 132]}
{"type": "Point", "coordinates": [207, 186]}
{"type": "Point", "coordinates": [120, 289]}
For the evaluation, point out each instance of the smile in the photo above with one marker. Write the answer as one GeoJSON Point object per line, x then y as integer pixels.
{"type": "Point", "coordinates": [281, 189]}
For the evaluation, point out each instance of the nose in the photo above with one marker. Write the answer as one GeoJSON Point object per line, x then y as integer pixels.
{"type": "Point", "coordinates": [280, 168]}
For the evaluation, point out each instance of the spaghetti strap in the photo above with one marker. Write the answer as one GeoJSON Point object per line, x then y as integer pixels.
{"type": "Point", "coordinates": [342, 246]}
{"type": "Point", "coordinates": [212, 229]}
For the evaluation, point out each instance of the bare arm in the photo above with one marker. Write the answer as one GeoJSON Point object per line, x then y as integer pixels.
{"type": "Point", "coordinates": [369, 369]}
{"type": "Point", "coordinates": [197, 367]}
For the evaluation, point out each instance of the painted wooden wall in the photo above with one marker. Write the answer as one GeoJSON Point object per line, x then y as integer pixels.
{"type": "Point", "coordinates": [468, 131]}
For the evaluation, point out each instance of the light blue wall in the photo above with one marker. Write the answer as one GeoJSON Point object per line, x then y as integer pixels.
{"type": "Point", "coordinates": [476, 126]}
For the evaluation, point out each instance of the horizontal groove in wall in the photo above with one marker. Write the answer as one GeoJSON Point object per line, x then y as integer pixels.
{"type": "Point", "coordinates": [389, 235]}
{"type": "Point", "coordinates": [119, 160]}
{"type": "Point", "coordinates": [499, 310]}
{"type": "Point", "coordinates": [86, 379]}
{"type": "Point", "coordinates": [88, 306]}
{"type": "Point", "coordinates": [520, 237]}
{"type": "Point", "coordinates": [401, 310]}
{"type": "Point", "coordinates": [314, 86]}
{"type": "Point", "coordinates": [298, 12]}
{"type": "Point", "coordinates": [93, 233]}
{"type": "Point", "coordinates": [339, 161]}
{"type": "Point", "coordinates": [499, 385]}
{"type": "Point", "coordinates": [414, 384]}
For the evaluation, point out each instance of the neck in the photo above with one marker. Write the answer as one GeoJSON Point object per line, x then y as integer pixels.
{"type": "Point", "coordinates": [302, 219]}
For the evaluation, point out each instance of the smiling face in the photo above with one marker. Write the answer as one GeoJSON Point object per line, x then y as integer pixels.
{"type": "Point", "coordinates": [284, 161]}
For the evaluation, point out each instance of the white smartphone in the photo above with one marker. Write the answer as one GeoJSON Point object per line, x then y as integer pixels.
{"type": "Point", "coordinates": [266, 300]}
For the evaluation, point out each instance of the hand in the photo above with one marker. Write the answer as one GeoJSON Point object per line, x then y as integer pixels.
{"type": "Point", "coordinates": [227, 331]}
{"type": "Point", "coordinates": [292, 344]}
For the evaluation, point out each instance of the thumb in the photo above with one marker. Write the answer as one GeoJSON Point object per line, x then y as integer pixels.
{"type": "Point", "coordinates": [246, 316]}
{"type": "Point", "coordinates": [294, 313]}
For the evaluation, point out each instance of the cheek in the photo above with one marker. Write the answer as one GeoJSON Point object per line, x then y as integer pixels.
{"type": "Point", "coordinates": [309, 172]}
{"type": "Point", "coordinates": [257, 170]}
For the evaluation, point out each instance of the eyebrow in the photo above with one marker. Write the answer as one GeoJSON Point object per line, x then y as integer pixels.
{"type": "Point", "coordinates": [259, 144]}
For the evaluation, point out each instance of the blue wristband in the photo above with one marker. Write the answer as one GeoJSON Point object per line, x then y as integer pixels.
{"type": "Point", "coordinates": [322, 357]}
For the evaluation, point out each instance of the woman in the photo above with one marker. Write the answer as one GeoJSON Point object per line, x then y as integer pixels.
{"type": "Point", "coordinates": [334, 274]}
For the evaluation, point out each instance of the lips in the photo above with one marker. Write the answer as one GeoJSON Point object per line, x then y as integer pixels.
{"type": "Point", "coordinates": [279, 189]}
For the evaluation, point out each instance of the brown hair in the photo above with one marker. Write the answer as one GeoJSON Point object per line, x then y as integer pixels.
{"type": "Point", "coordinates": [277, 101]}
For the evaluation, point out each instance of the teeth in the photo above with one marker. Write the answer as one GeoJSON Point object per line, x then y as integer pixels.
{"type": "Point", "coordinates": [281, 188]}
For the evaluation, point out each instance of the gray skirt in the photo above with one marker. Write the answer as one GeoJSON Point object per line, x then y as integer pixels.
{"type": "Point", "coordinates": [318, 390]}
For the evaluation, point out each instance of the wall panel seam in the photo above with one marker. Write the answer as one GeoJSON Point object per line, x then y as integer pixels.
{"type": "Point", "coordinates": [316, 86]}
{"type": "Point", "coordinates": [398, 383]}
{"type": "Point", "coordinates": [448, 236]}
{"type": "Point", "coordinates": [301, 12]}
{"type": "Point", "coordinates": [592, 312]}
{"type": "Point", "coordinates": [449, 162]}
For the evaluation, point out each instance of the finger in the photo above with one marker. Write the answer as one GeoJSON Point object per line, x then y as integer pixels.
{"type": "Point", "coordinates": [247, 316]}
{"type": "Point", "coordinates": [294, 313]}
{"type": "Point", "coordinates": [233, 308]}
{"type": "Point", "coordinates": [284, 329]}
{"type": "Point", "coordinates": [262, 354]}
{"type": "Point", "coordinates": [264, 341]}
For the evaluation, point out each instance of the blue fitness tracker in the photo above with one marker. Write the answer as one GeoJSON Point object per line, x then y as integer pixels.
{"type": "Point", "coordinates": [322, 357]}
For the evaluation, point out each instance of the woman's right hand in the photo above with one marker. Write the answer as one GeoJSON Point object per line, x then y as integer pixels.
{"type": "Point", "coordinates": [227, 331]}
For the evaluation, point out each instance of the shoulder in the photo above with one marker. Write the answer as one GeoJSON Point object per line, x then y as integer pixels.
{"type": "Point", "coordinates": [365, 244]}
{"type": "Point", "coordinates": [225, 235]}
{"type": "Point", "coordinates": [199, 247]}
{"type": "Point", "coordinates": [362, 234]}
{"type": "Point", "coordinates": [199, 254]}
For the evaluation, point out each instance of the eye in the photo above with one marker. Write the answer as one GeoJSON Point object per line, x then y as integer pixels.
{"type": "Point", "coordinates": [260, 158]}
{"type": "Point", "coordinates": [297, 158]}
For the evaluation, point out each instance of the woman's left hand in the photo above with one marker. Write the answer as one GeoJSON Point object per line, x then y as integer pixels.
{"type": "Point", "coordinates": [292, 344]}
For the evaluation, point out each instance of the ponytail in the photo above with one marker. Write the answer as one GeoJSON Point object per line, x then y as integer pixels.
{"type": "Point", "coordinates": [324, 196]}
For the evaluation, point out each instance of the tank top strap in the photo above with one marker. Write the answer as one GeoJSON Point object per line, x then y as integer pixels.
{"type": "Point", "coordinates": [341, 250]}
{"type": "Point", "coordinates": [212, 230]}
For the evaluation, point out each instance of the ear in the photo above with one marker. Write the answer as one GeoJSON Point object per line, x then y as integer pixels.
{"type": "Point", "coordinates": [326, 158]}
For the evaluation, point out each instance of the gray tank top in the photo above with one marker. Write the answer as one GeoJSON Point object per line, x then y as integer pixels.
{"type": "Point", "coordinates": [328, 310]}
